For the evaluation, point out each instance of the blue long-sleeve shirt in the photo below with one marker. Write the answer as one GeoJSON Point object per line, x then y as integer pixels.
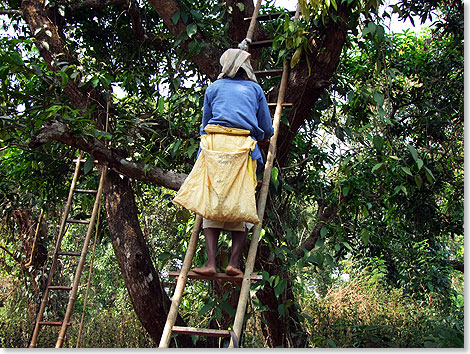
{"type": "Point", "coordinates": [238, 103]}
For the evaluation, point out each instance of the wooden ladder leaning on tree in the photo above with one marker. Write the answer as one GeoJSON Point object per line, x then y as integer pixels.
{"type": "Point", "coordinates": [248, 276]}
{"type": "Point", "coordinates": [92, 223]}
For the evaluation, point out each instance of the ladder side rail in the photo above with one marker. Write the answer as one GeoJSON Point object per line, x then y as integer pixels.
{"type": "Point", "coordinates": [57, 249]}
{"type": "Point", "coordinates": [90, 274]}
{"type": "Point", "coordinates": [182, 278]}
{"type": "Point", "coordinates": [81, 263]}
{"type": "Point", "coordinates": [251, 28]}
{"type": "Point", "coordinates": [245, 289]}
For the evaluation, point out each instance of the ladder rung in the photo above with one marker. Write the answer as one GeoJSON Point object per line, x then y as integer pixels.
{"type": "Point", "coordinates": [267, 17]}
{"type": "Point", "coordinates": [89, 191]}
{"type": "Point", "coordinates": [265, 43]}
{"type": "Point", "coordinates": [73, 221]}
{"type": "Point", "coordinates": [75, 254]}
{"type": "Point", "coordinates": [274, 104]}
{"type": "Point", "coordinates": [45, 323]}
{"type": "Point", "coordinates": [201, 331]}
{"type": "Point", "coordinates": [270, 72]}
{"type": "Point", "coordinates": [217, 276]}
{"type": "Point", "coordinates": [83, 161]}
{"type": "Point", "coordinates": [59, 287]}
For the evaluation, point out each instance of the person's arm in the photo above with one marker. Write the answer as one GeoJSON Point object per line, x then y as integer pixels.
{"type": "Point", "coordinates": [206, 111]}
{"type": "Point", "coordinates": [264, 117]}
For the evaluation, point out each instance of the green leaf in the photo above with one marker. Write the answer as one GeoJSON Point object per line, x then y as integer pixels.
{"type": "Point", "coordinates": [418, 181]}
{"type": "Point", "coordinates": [280, 287]}
{"type": "Point", "coordinates": [191, 149]}
{"type": "Point", "coordinates": [329, 260]}
{"type": "Point", "coordinates": [17, 58]}
{"type": "Point", "coordinates": [241, 6]}
{"type": "Point", "coordinates": [348, 246]}
{"type": "Point", "coordinates": [371, 27]}
{"type": "Point", "coordinates": [380, 31]}
{"type": "Point", "coordinates": [406, 170]}
{"type": "Point", "coordinates": [176, 82]}
{"type": "Point", "coordinates": [379, 98]}
{"type": "Point", "coordinates": [413, 151]}
{"type": "Point", "coordinates": [365, 236]}
{"type": "Point", "coordinates": [429, 174]}
{"type": "Point", "coordinates": [331, 343]}
{"type": "Point", "coordinates": [95, 81]}
{"type": "Point", "coordinates": [274, 177]}
{"type": "Point", "coordinates": [365, 211]}
{"type": "Point", "coordinates": [319, 242]}
{"type": "Point", "coordinates": [184, 16]}
{"type": "Point", "coordinates": [191, 29]}
{"type": "Point", "coordinates": [196, 15]}
{"type": "Point", "coordinates": [161, 105]}
{"type": "Point", "coordinates": [194, 47]}
{"type": "Point", "coordinates": [89, 164]}
{"type": "Point", "coordinates": [346, 190]}
{"type": "Point", "coordinates": [229, 308]}
{"type": "Point", "coordinates": [378, 142]}
{"type": "Point", "coordinates": [400, 188]}
{"type": "Point", "coordinates": [218, 313]}
{"type": "Point", "coordinates": [175, 147]}
{"type": "Point", "coordinates": [377, 167]}
{"type": "Point", "coordinates": [420, 163]}
{"type": "Point", "coordinates": [281, 309]}
{"type": "Point", "coordinates": [206, 308]}
{"type": "Point", "coordinates": [296, 57]}
{"type": "Point", "coordinates": [323, 232]}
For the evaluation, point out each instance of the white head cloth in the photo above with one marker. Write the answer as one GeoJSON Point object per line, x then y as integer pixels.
{"type": "Point", "coordinates": [234, 59]}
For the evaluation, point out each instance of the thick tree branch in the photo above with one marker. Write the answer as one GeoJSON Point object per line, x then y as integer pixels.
{"type": "Point", "coordinates": [57, 131]}
{"type": "Point", "coordinates": [95, 4]}
{"type": "Point", "coordinates": [10, 12]}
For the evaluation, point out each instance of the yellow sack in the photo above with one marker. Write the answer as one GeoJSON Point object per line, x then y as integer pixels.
{"type": "Point", "coordinates": [221, 185]}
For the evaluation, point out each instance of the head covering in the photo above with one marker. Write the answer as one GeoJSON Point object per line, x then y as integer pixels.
{"type": "Point", "coordinates": [234, 59]}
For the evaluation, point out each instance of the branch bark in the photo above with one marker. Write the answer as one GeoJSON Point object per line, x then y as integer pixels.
{"type": "Point", "coordinates": [11, 12]}
{"type": "Point", "coordinates": [114, 159]}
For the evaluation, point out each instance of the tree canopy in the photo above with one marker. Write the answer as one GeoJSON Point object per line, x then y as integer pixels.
{"type": "Point", "coordinates": [368, 180]}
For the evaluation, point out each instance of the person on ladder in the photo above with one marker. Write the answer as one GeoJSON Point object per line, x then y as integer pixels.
{"type": "Point", "coordinates": [235, 107]}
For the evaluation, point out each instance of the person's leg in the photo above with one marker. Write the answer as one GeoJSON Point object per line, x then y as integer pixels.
{"type": "Point", "coordinates": [212, 237]}
{"type": "Point", "coordinates": [238, 240]}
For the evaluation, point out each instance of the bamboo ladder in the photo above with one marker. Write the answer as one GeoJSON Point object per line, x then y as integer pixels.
{"type": "Point", "coordinates": [65, 221]}
{"type": "Point", "coordinates": [248, 276]}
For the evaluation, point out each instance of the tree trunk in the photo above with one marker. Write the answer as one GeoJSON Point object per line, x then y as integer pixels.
{"type": "Point", "coordinates": [148, 297]}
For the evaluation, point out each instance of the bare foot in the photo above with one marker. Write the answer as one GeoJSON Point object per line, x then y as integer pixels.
{"type": "Point", "coordinates": [230, 270]}
{"type": "Point", "coordinates": [205, 270]}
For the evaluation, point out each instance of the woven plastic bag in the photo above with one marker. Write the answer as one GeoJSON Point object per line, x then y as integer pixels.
{"type": "Point", "coordinates": [221, 185]}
